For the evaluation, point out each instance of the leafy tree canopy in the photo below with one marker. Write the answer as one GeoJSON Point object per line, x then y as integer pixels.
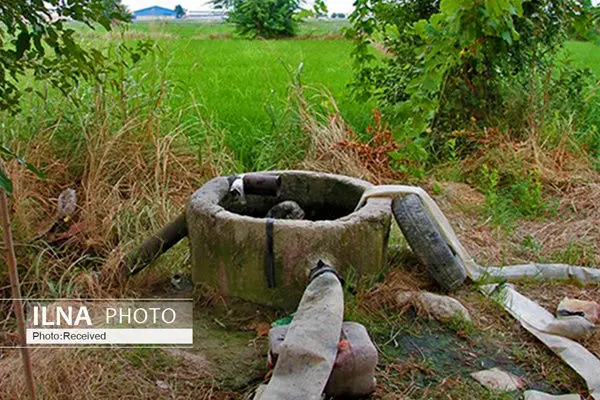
{"type": "Point", "coordinates": [179, 11]}
{"type": "Point", "coordinates": [268, 18]}
{"type": "Point", "coordinates": [446, 63]}
{"type": "Point", "coordinates": [36, 38]}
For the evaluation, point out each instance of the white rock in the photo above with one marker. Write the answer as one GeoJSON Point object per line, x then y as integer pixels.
{"type": "Point", "coordinates": [496, 379]}
{"type": "Point", "coordinates": [443, 308]}
{"type": "Point", "coordinates": [162, 385]}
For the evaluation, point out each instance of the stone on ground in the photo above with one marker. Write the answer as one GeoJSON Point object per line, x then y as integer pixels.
{"type": "Point", "coordinates": [442, 308]}
{"type": "Point", "coordinates": [162, 385]}
{"type": "Point", "coordinates": [496, 379]}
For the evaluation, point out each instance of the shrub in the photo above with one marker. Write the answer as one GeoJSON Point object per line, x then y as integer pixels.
{"type": "Point", "coordinates": [452, 64]}
{"type": "Point", "coordinates": [179, 11]}
{"type": "Point", "coordinates": [35, 39]}
{"type": "Point", "coordinates": [264, 18]}
{"type": "Point", "coordinates": [268, 18]}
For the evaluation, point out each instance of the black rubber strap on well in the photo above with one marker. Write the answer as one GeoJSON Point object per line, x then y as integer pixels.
{"type": "Point", "coordinates": [269, 255]}
{"type": "Point", "coordinates": [320, 268]}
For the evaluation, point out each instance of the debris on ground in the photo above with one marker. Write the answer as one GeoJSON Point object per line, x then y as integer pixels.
{"type": "Point", "coordinates": [536, 395]}
{"type": "Point", "coordinates": [162, 385]}
{"type": "Point", "coordinates": [286, 210]}
{"type": "Point", "coordinates": [308, 352]}
{"type": "Point", "coordinates": [540, 323]}
{"type": "Point", "coordinates": [496, 379]}
{"type": "Point", "coordinates": [65, 208]}
{"type": "Point", "coordinates": [574, 327]}
{"type": "Point", "coordinates": [353, 373]}
{"type": "Point", "coordinates": [442, 308]}
{"type": "Point", "coordinates": [66, 204]}
{"type": "Point", "coordinates": [589, 310]}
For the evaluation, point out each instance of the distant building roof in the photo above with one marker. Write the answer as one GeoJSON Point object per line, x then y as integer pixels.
{"type": "Point", "coordinates": [207, 12]}
{"type": "Point", "coordinates": [154, 11]}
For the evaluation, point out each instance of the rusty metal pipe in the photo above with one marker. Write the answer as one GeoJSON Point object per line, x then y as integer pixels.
{"type": "Point", "coordinates": [255, 183]}
{"type": "Point", "coordinates": [156, 245]}
{"type": "Point", "coordinates": [262, 184]}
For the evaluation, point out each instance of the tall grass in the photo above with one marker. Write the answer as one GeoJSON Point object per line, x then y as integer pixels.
{"type": "Point", "coordinates": [241, 85]}
{"type": "Point", "coordinates": [125, 152]}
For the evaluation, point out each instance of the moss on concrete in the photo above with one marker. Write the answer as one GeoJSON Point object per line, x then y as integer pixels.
{"type": "Point", "coordinates": [228, 249]}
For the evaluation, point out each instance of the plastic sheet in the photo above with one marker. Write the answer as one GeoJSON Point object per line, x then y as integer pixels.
{"type": "Point", "coordinates": [534, 318]}
{"type": "Point", "coordinates": [536, 395]}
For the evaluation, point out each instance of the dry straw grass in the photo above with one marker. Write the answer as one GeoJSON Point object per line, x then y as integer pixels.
{"type": "Point", "coordinates": [64, 374]}
{"type": "Point", "coordinates": [561, 165]}
{"type": "Point", "coordinates": [130, 179]}
{"type": "Point", "coordinates": [323, 130]}
{"type": "Point", "coordinates": [128, 183]}
{"type": "Point", "coordinates": [332, 146]}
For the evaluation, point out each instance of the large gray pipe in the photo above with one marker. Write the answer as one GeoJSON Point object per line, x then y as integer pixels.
{"type": "Point", "coordinates": [308, 353]}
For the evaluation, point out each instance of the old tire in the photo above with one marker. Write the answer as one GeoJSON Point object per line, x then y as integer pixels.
{"type": "Point", "coordinates": [427, 243]}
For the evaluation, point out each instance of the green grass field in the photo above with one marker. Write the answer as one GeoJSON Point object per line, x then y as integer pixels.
{"type": "Point", "coordinates": [585, 55]}
{"type": "Point", "coordinates": [220, 30]}
{"type": "Point", "coordinates": [241, 85]}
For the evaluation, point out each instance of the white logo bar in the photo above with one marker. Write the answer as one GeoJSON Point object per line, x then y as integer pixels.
{"type": "Point", "coordinates": [110, 336]}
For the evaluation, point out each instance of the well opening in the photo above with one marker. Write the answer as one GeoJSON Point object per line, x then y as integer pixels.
{"type": "Point", "coordinates": [321, 198]}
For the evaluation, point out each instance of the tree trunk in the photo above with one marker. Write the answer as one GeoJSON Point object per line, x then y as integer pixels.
{"type": "Point", "coordinates": [11, 262]}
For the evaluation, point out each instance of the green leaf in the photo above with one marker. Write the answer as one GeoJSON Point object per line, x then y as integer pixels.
{"type": "Point", "coordinates": [5, 183]}
{"type": "Point", "coordinates": [105, 22]}
{"type": "Point", "coordinates": [23, 43]}
{"type": "Point", "coordinates": [12, 155]}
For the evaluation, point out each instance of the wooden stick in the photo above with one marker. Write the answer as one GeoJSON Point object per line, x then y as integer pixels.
{"type": "Point", "coordinates": [11, 261]}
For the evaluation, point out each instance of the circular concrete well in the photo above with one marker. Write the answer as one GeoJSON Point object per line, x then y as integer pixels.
{"type": "Point", "coordinates": [229, 246]}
